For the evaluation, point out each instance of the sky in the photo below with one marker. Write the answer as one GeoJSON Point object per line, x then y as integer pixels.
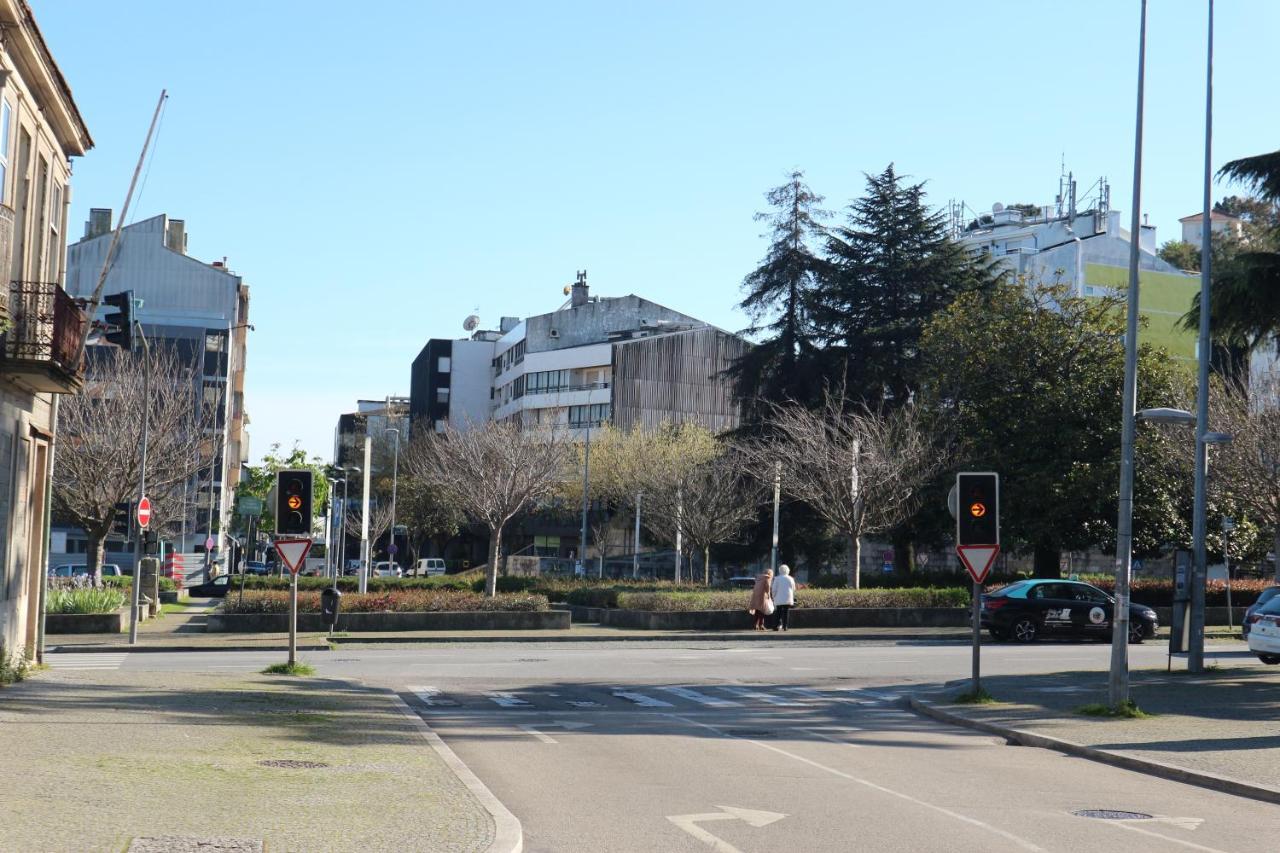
{"type": "Point", "coordinates": [378, 171]}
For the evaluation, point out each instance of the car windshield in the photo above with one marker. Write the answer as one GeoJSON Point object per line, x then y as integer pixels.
{"type": "Point", "coordinates": [1271, 608]}
{"type": "Point", "coordinates": [1017, 589]}
{"type": "Point", "coordinates": [1268, 594]}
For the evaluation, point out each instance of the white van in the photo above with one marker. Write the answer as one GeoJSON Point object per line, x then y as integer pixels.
{"type": "Point", "coordinates": [429, 566]}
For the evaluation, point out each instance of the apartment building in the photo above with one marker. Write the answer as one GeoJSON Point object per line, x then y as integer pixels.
{"type": "Point", "coordinates": [41, 326]}
{"type": "Point", "coordinates": [201, 310]}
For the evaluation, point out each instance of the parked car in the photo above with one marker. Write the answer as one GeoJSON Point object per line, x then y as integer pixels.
{"type": "Point", "coordinates": [1251, 614]}
{"type": "Point", "coordinates": [216, 588]}
{"type": "Point", "coordinates": [742, 582]}
{"type": "Point", "coordinates": [1026, 610]}
{"type": "Point", "coordinates": [386, 569]}
{"type": "Point", "coordinates": [70, 570]}
{"type": "Point", "coordinates": [255, 567]}
{"type": "Point", "coordinates": [429, 566]}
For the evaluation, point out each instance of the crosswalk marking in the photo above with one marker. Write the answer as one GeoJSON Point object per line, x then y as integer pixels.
{"type": "Point", "coordinates": [701, 698]}
{"type": "Point", "coordinates": [430, 696]}
{"type": "Point", "coordinates": [642, 700]}
{"type": "Point", "coordinates": [829, 696]}
{"type": "Point", "coordinates": [90, 660]}
{"type": "Point", "coordinates": [506, 700]}
{"type": "Point", "coordinates": [748, 693]}
{"type": "Point", "coordinates": [584, 703]}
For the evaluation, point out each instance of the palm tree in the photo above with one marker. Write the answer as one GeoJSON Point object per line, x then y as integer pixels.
{"type": "Point", "coordinates": [1244, 295]}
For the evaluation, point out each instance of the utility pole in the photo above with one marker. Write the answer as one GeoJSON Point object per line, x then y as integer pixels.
{"type": "Point", "coordinates": [586, 498]}
{"type": "Point", "coordinates": [364, 518]}
{"type": "Point", "coordinates": [142, 482]}
{"type": "Point", "coordinates": [635, 549]}
{"type": "Point", "coordinates": [395, 474]}
{"type": "Point", "coordinates": [1118, 681]}
{"type": "Point", "coordinates": [777, 500]}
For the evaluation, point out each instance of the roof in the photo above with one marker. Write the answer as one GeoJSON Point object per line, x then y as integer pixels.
{"type": "Point", "coordinates": [1215, 216]}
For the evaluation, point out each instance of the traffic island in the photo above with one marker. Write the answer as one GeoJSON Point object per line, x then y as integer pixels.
{"type": "Point", "coordinates": [356, 623]}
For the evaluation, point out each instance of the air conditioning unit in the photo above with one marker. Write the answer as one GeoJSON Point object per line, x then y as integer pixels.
{"type": "Point", "coordinates": [555, 333]}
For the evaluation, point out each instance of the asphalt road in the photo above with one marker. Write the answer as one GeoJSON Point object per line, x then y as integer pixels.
{"type": "Point", "coordinates": [759, 746]}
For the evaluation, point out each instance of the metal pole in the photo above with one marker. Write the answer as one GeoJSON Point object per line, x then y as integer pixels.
{"type": "Point", "coordinates": [293, 620]}
{"type": "Point", "coordinates": [364, 518]}
{"type": "Point", "coordinates": [142, 483]}
{"type": "Point", "coordinates": [777, 502]}
{"type": "Point", "coordinates": [395, 473]}
{"type": "Point", "coordinates": [1195, 651]}
{"type": "Point", "coordinates": [1118, 683]}
{"type": "Point", "coordinates": [635, 550]}
{"type": "Point", "coordinates": [679, 528]}
{"type": "Point", "coordinates": [328, 530]}
{"type": "Point", "coordinates": [1226, 558]}
{"type": "Point", "coordinates": [977, 637]}
{"type": "Point", "coordinates": [342, 557]}
{"type": "Point", "coordinates": [586, 499]}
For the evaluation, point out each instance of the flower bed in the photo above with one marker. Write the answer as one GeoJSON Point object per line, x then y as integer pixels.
{"type": "Point", "coordinates": [397, 601]}
{"type": "Point", "coordinates": [82, 600]}
{"type": "Point", "coordinates": [805, 598]}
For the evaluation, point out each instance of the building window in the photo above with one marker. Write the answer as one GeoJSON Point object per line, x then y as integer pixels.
{"type": "Point", "coordinates": [595, 415]}
{"type": "Point", "coordinates": [443, 364]}
{"type": "Point", "coordinates": [442, 395]}
{"type": "Point", "coordinates": [440, 426]}
{"type": "Point", "coordinates": [5, 115]}
{"type": "Point", "coordinates": [55, 222]}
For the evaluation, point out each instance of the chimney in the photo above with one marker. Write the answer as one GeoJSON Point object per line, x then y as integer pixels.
{"type": "Point", "coordinates": [99, 222]}
{"type": "Point", "coordinates": [176, 237]}
{"type": "Point", "coordinates": [579, 297]}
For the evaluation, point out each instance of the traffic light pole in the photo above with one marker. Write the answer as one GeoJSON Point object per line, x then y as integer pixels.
{"type": "Point", "coordinates": [142, 485]}
{"type": "Point", "coordinates": [977, 638]}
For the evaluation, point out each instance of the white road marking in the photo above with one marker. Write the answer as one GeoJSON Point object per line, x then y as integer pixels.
{"type": "Point", "coordinates": [641, 699]}
{"type": "Point", "coordinates": [818, 732]}
{"type": "Point", "coordinates": [582, 703]}
{"type": "Point", "coordinates": [430, 696]}
{"type": "Point", "coordinates": [567, 725]}
{"type": "Point", "coordinates": [86, 660]}
{"type": "Point", "coordinates": [1021, 842]}
{"type": "Point", "coordinates": [826, 695]}
{"type": "Point", "coordinates": [753, 817]}
{"type": "Point", "coordinates": [701, 698]}
{"type": "Point", "coordinates": [1124, 824]}
{"type": "Point", "coordinates": [506, 700]}
{"type": "Point", "coordinates": [748, 693]}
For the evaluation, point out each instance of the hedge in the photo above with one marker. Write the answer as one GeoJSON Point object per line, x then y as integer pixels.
{"type": "Point", "coordinates": [1158, 592]}
{"type": "Point", "coordinates": [729, 600]}
{"type": "Point", "coordinates": [398, 601]}
{"type": "Point", "coordinates": [464, 581]}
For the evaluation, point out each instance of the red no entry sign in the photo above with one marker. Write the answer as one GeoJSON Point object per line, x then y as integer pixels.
{"type": "Point", "coordinates": [144, 512]}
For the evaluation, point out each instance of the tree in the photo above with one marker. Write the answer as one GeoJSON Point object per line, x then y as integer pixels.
{"type": "Point", "coordinates": [611, 483]}
{"type": "Point", "coordinates": [1181, 254]}
{"type": "Point", "coordinates": [779, 291]}
{"type": "Point", "coordinates": [660, 465]}
{"type": "Point", "coordinates": [860, 469]}
{"type": "Point", "coordinates": [100, 439]}
{"type": "Point", "coordinates": [1249, 465]}
{"type": "Point", "coordinates": [1029, 381]}
{"type": "Point", "coordinates": [893, 267]}
{"type": "Point", "coordinates": [379, 521]}
{"type": "Point", "coordinates": [426, 515]}
{"type": "Point", "coordinates": [491, 472]}
{"type": "Point", "coordinates": [259, 480]}
{"type": "Point", "coordinates": [718, 499]}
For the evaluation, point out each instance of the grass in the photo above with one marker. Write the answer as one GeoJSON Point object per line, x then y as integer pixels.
{"type": "Point", "coordinates": [975, 697]}
{"type": "Point", "coordinates": [289, 669]}
{"type": "Point", "coordinates": [1126, 710]}
{"type": "Point", "coordinates": [13, 667]}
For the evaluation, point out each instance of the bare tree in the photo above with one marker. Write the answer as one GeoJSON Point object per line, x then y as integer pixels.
{"type": "Point", "coordinates": [860, 470]}
{"type": "Point", "coordinates": [491, 472]}
{"type": "Point", "coordinates": [1248, 467]}
{"type": "Point", "coordinates": [379, 520]}
{"type": "Point", "coordinates": [100, 439]}
{"type": "Point", "coordinates": [718, 499]}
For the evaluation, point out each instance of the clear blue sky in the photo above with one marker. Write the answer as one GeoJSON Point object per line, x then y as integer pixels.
{"type": "Point", "coordinates": [377, 171]}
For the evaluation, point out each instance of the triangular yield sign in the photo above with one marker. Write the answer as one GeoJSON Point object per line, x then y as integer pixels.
{"type": "Point", "coordinates": [978, 559]}
{"type": "Point", "coordinates": [293, 552]}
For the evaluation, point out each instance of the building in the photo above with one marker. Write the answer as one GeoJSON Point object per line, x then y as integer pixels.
{"type": "Point", "coordinates": [1219, 223]}
{"type": "Point", "coordinates": [595, 360]}
{"type": "Point", "coordinates": [1088, 250]}
{"type": "Point", "coordinates": [201, 310]}
{"type": "Point", "coordinates": [371, 419]}
{"type": "Point", "coordinates": [41, 327]}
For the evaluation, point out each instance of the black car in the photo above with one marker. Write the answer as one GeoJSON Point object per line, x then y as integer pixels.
{"type": "Point", "coordinates": [1026, 610]}
{"type": "Point", "coordinates": [1250, 615]}
{"type": "Point", "coordinates": [216, 588]}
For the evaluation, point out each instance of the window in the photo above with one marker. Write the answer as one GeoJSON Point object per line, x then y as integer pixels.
{"type": "Point", "coordinates": [213, 343]}
{"type": "Point", "coordinates": [442, 395]}
{"type": "Point", "coordinates": [594, 415]}
{"type": "Point", "coordinates": [443, 364]}
{"type": "Point", "coordinates": [5, 115]}
{"type": "Point", "coordinates": [55, 223]}
{"type": "Point", "coordinates": [440, 426]}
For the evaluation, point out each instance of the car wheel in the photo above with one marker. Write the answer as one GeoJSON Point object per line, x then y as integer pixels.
{"type": "Point", "coordinates": [1269, 660]}
{"type": "Point", "coordinates": [1025, 630]}
{"type": "Point", "coordinates": [1136, 632]}
{"type": "Point", "coordinates": [998, 634]}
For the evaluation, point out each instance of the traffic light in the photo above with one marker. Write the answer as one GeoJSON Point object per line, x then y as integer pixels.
{"type": "Point", "coordinates": [150, 543]}
{"type": "Point", "coordinates": [293, 502]}
{"type": "Point", "coordinates": [119, 324]}
{"type": "Point", "coordinates": [122, 518]}
{"type": "Point", "coordinates": [978, 509]}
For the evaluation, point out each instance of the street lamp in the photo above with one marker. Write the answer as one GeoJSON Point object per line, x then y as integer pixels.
{"type": "Point", "coordinates": [328, 524]}
{"type": "Point", "coordinates": [395, 473]}
{"type": "Point", "coordinates": [350, 469]}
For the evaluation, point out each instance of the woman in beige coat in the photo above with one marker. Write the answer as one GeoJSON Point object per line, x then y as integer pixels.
{"type": "Point", "coordinates": [761, 598]}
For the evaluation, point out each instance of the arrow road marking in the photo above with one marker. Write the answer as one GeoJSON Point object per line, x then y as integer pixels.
{"type": "Point", "coordinates": [752, 817]}
{"type": "Point", "coordinates": [567, 725]}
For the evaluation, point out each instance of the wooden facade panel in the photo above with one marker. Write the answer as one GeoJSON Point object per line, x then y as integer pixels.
{"type": "Point", "coordinates": [677, 378]}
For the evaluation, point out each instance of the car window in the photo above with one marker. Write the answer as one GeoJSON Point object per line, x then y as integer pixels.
{"type": "Point", "coordinates": [1044, 590]}
{"type": "Point", "coordinates": [1271, 608]}
{"type": "Point", "coordinates": [222, 580]}
{"type": "Point", "coordinates": [1268, 594]}
{"type": "Point", "coordinates": [1083, 592]}
{"type": "Point", "coordinates": [1017, 589]}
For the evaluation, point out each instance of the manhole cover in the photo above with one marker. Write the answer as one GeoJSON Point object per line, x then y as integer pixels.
{"type": "Point", "coordinates": [749, 733]}
{"type": "Point", "coordinates": [291, 764]}
{"type": "Point", "coordinates": [1111, 814]}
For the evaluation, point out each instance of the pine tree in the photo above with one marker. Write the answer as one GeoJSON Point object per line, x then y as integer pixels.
{"type": "Point", "coordinates": [891, 269]}
{"type": "Point", "coordinates": [778, 292]}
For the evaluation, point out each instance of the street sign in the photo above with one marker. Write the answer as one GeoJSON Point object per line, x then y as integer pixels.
{"type": "Point", "coordinates": [391, 549]}
{"type": "Point", "coordinates": [293, 553]}
{"type": "Point", "coordinates": [978, 559]}
{"type": "Point", "coordinates": [208, 543]}
{"type": "Point", "coordinates": [144, 512]}
{"type": "Point", "coordinates": [248, 505]}
{"type": "Point", "coordinates": [1228, 524]}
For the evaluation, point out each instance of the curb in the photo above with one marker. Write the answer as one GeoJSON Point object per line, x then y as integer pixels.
{"type": "Point", "coordinates": [508, 836]}
{"type": "Point", "coordinates": [792, 637]}
{"type": "Point", "coordinates": [1212, 781]}
{"type": "Point", "coordinates": [119, 648]}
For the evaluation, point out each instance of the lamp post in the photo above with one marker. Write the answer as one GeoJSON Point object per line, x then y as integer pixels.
{"type": "Point", "coordinates": [350, 469]}
{"type": "Point", "coordinates": [328, 525]}
{"type": "Point", "coordinates": [395, 473]}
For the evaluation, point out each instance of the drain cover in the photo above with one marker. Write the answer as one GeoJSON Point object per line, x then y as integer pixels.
{"type": "Point", "coordinates": [291, 764]}
{"type": "Point", "coordinates": [1111, 814]}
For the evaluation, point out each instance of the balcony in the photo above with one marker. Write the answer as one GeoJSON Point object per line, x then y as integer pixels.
{"type": "Point", "coordinates": [42, 341]}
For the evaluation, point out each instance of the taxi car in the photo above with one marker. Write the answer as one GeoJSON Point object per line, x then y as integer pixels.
{"type": "Point", "coordinates": [1026, 610]}
{"type": "Point", "coordinates": [1264, 638]}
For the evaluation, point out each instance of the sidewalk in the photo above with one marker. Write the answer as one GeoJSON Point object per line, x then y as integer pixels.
{"type": "Point", "coordinates": [104, 760]}
{"type": "Point", "coordinates": [1218, 730]}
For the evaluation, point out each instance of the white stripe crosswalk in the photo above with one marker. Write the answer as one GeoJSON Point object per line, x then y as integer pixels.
{"type": "Point", "coordinates": [701, 698]}
{"type": "Point", "coordinates": [642, 700]}
{"type": "Point", "coordinates": [91, 660]}
{"type": "Point", "coordinates": [718, 696]}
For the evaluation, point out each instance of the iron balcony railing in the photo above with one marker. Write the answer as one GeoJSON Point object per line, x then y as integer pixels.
{"type": "Point", "coordinates": [46, 326]}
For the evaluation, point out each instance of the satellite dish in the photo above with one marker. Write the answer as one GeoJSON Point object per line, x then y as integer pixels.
{"type": "Point", "coordinates": [470, 323]}
{"type": "Point", "coordinates": [997, 208]}
{"type": "Point", "coordinates": [566, 290]}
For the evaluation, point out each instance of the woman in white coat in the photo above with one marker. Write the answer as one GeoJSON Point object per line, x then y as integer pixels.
{"type": "Point", "coordinates": [784, 595]}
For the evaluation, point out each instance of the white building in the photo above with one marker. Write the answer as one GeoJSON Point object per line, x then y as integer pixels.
{"type": "Point", "coordinates": [1219, 223]}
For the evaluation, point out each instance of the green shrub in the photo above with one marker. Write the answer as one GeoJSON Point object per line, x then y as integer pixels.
{"type": "Point", "coordinates": [725, 600]}
{"type": "Point", "coordinates": [14, 667]}
{"type": "Point", "coordinates": [84, 600]}
{"type": "Point", "coordinates": [825, 581]}
{"type": "Point", "coordinates": [462, 581]}
{"type": "Point", "coordinates": [398, 601]}
{"type": "Point", "coordinates": [167, 584]}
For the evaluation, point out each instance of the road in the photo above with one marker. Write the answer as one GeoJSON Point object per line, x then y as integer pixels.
{"type": "Point", "coordinates": [758, 746]}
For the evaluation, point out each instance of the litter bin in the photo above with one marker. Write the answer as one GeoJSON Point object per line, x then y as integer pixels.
{"type": "Point", "coordinates": [330, 601]}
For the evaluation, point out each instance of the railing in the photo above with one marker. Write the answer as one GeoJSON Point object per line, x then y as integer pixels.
{"type": "Point", "coordinates": [561, 389]}
{"type": "Point", "coordinates": [46, 326]}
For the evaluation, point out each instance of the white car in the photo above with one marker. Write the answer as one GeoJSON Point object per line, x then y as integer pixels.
{"type": "Point", "coordinates": [386, 569]}
{"type": "Point", "coordinates": [429, 566]}
{"type": "Point", "coordinates": [1264, 634]}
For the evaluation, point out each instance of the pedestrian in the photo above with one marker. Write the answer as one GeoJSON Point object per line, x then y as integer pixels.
{"type": "Point", "coordinates": [761, 604]}
{"type": "Point", "coordinates": [783, 591]}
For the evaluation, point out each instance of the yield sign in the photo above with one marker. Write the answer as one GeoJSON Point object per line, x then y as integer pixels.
{"type": "Point", "coordinates": [293, 552]}
{"type": "Point", "coordinates": [978, 559]}
{"type": "Point", "coordinates": [144, 512]}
